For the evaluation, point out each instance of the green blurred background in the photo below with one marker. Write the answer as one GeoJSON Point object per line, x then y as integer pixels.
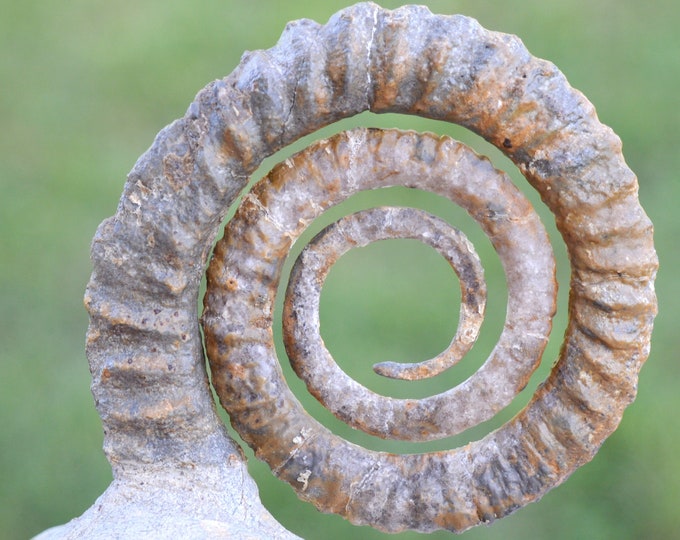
{"type": "Point", "coordinates": [84, 88]}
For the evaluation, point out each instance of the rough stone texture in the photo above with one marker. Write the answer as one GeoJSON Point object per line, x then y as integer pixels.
{"type": "Point", "coordinates": [212, 502]}
{"type": "Point", "coordinates": [144, 345]}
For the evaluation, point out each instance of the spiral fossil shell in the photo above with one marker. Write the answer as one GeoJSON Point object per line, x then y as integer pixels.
{"type": "Point", "coordinates": [244, 276]}
{"type": "Point", "coordinates": [144, 344]}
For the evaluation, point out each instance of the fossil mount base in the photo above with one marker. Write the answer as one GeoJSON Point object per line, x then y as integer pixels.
{"type": "Point", "coordinates": [188, 503]}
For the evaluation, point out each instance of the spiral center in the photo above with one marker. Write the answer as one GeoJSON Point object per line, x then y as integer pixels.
{"type": "Point", "coordinates": [301, 332]}
{"type": "Point", "coordinates": [392, 300]}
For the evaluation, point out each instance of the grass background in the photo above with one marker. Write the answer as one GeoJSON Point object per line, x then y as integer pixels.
{"type": "Point", "coordinates": [84, 88]}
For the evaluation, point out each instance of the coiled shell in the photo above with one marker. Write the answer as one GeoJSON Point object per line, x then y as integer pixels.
{"type": "Point", "coordinates": [144, 343]}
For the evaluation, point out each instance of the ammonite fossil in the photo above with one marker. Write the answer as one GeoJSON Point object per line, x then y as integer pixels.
{"type": "Point", "coordinates": [144, 343]}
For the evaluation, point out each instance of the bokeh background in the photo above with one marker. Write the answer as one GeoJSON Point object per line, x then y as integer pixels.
{"type": "Point", "coordinates": [84, 87]}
